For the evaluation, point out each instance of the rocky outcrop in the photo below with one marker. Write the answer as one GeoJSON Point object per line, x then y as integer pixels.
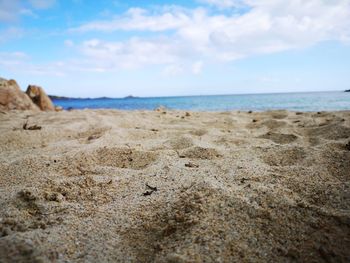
{"type": "Point", "coordinates": [12, 98]}
{"type": "Point", "coordinates": [58, 108]}
{"type": "Point", "coordinates": [39, 97]}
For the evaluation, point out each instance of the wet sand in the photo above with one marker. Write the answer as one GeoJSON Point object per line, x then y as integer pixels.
{"type": "Point", "coordinates": [171, 186]}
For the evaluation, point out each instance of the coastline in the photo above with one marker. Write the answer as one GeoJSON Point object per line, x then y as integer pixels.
{"type": "Point", "coordinates": [175, 186]}
{"type": "Point", "coordinates": [306, 101]}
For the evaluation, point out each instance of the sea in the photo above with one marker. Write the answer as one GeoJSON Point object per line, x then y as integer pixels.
{"type": "Point", "coordinates": [306, 101]}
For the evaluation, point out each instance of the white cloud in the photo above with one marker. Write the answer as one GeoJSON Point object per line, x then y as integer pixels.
{"type": "Point", "coordinates": [182, 34]}
{"type": "Point", "coordinates": [21, 62]}
{"type": "Point", "coordinates": [133, 53]}
{"type": "Point", "coordinates": [197, 67]}
{"type": "Point", "coordinates": [224, 3]}
{"type": "Point", "coordinates": [14, 56]}
{"type": "Point", "coordinates": [28, 12]}
{"type": "Point", "coordinates": [11, 33]}
{"type": "Point", "coordinates": [138, 19]}
{"type": "Point", "coordinates": [8, 10]}
{"type": "Point", "coordinates": [183, 40]}
{"type": "Point", "coordinates": [42, 4]}
{"type": "Point", "coordinates": [173, 70]}
{"type": "Point", "coordinates": [68, 43]}
{"type": "Point", "coordinates": [268, 79]}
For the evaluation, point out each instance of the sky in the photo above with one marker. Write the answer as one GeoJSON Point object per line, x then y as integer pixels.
{"type": "Point", "coordinates": [87, 48]}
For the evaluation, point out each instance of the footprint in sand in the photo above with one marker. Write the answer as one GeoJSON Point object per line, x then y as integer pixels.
{"type": "Point", "coordinates": [124, 158]}
{"type": "Point", "coordinates": [200, 153]}
{"type": "Point", "coordinates": [330, 132]}
{"type": "Point", "coordinates": [283, 157]}
{"type": "Point", "coordinates": [270, 124]}
{"type": "Point", "coordinates": [169, 222]}
{"type": "Point", "coordinates": [199, 132]}
{"type": "Point", "coordinates": [278, 114]}
{"type": "Point", "coordinates": [84, 189]}
{"type": "Point", "coordinates": [180, 143]}
{"type": "Point", "coordinates": [279, 138]}
{"type": "Point", "coordinates": [92, 134]}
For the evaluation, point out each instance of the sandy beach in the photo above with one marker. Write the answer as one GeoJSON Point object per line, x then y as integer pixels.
{"type": "Point", "coordinates": [174, 186]}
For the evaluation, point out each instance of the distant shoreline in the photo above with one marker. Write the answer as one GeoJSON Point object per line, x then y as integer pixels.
{"type": "Point", "coordinates": [56, 97]}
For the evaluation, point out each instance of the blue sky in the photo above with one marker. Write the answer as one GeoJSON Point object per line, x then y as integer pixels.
{"type": "Point", "coordinates": [91, 48]}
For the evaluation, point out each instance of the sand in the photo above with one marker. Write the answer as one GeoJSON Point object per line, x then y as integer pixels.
{"type": "Point", "coordinates": [171, 186]}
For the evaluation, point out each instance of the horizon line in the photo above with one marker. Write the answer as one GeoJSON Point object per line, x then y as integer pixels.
{"type": "Point", "coordinates": [58, 97]}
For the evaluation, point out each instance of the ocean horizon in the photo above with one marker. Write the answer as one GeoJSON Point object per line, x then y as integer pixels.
{"type": "Point", "coordinates": [294, 101]}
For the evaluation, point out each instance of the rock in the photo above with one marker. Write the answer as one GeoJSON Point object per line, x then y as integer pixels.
{"type": "Point", "coordinates": [27, 195]}
{"type": "Point", "coordinates": [12, 98]}
{"type": "Point", "coordinates": [58, 108]}
{"type": "Point", "coordinates": [39, 97]}
{"type": "Point", "coordinates": [161, 109]}
{"type": "Point", "coordinates": [191, 165]}
{"type": "Point", "coordinates": [53, 196]}
{"type": "Point", "coordinates": [347, 146]}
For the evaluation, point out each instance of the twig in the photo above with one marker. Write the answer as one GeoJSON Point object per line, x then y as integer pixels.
{"type": "Point", "coordinates": [149, 192]}
{"type": "Point", "coordinates": [31, 128]}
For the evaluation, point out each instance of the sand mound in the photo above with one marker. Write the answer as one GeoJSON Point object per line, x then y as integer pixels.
{"type": "Point", "coordinates": [22, 250]}
{"type": "Point", "coordinates": [338, 164]}
{"type": "Point", "coordinates": [29, 211]}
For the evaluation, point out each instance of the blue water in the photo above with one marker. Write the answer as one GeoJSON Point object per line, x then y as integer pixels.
{"type": "Point", "coordinates": [311, 101]}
